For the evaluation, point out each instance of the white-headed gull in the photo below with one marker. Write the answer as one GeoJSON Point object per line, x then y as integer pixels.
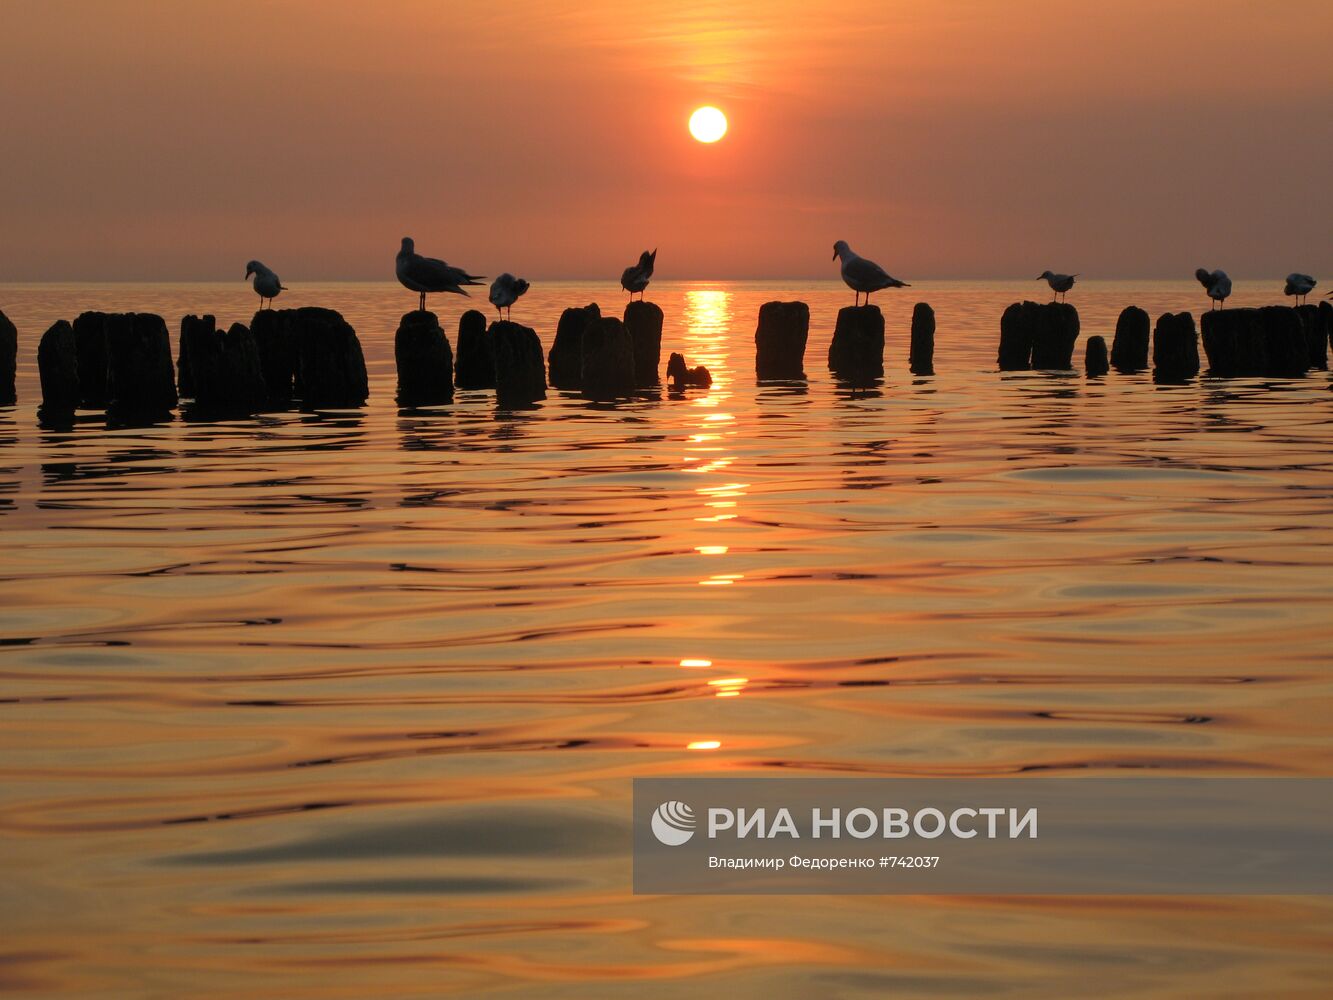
{"type": "Point", "coordinates": [1217, 284]}
{"type": "Point", "coordinates": [635, 279]}
{"type": "Point", "coordinates": [505, 290]}
{"type": "Point", "coordinates": [1060, 283]}
{"type": "Point", "coordinates": [426, 274]}
{"type": "Point", "coordinates": [267, 284]}
{"type": "Point", "coordinates": [1299, 285]}
{"type": "Point", "coordinates": [863, 275]}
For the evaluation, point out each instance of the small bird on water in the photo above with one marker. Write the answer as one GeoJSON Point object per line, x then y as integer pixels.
{"type": "Point", "coordinates": [861, 275]}
{"type": "Point", "coordinates": [635, 279]}
{"type": "Point", "coordinates": [1299, 285]}
{"type": "Point", "coordinates": [267, 284]}
{"type": "Point", "coordinates": [1216, 283]}
{"type": "Point", "coordinates": [505, 290]}
{"type": "Point", "coordinates": [426, 274]}
{"type": "Point", "coordinates": [1060, 283]}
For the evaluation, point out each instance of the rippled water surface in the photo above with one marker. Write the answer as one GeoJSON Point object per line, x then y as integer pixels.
{"type": "Point", "coordinates": [348, 703]}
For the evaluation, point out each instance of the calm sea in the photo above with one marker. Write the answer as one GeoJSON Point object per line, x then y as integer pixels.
{"type": "Point", "coordinates": [348, 703]}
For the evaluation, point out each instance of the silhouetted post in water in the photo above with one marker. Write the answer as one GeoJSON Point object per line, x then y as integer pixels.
{"type": "Point", "coordinates": [184, 378]}
{"type": "Point", "coordinates": [1129, 349]}
{"type": "Point", "coordinates": [1233, 343]}
{"type": "Point", "coordinates": [424, 360]}
{"type": "Point", "coordinates": [857, 350]}
{"type": "Point", "coordinates": [1316, 335]}
{"type": "Point", "coordinates": [278, 362]}
{"type": "Point", "coordinates": [223, 368]}
{"type": "Point", "coordinates": [643, 321]}
{"type": "Point", "coordinates": [1326, 313]}
{"type": "Point", "coordinates": [1175, 347]}
{"type": "Point", "coordinates": [1016, 338]}
{"type": "Point", "coordinates": [1094, 357]}
{"type": "Point", "coordinates": [779, 340]}
{"type": "Point", "coordinates": [140, 375]}
{"type": "Point", "coordinates": [608, 360]}
{"type": "Point", "coordinates": [1255, 342]}
{"type": "Point", "coordinates": [676, 371]}
{"type": "Point", "coordinates": [474, 367]}
{"type": "Point", "coordinates": [9, 355]}
{"type": "Point", "coordinates": [681, 376]}
{"type": "Point", "coordinates": [1038, 335]}
{"type": "Point", "coordinates": [1284, 342]}
{"type": "Point", "coordinates": [90, 345]}
{"type": "Point", "coordinates": [58, 367]}
{"type": "Point", "coordinates": [921, 357]}
{"type": "Point", "coordinates": [1054, 336]}
{"type": "Point", "coordinates": [565, 362]}
{"type": "Point", "coordinates": [331, 367]}
{"type": "Point", "coordinates": [520, 371]}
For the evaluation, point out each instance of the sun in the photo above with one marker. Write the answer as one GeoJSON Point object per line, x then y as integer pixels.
{"type": "Point", "coordinates": [708, 124]}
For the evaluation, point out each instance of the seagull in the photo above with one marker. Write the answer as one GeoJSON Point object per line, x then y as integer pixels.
{"type": "Point", "coordinates": [1299, 285]}
{"type": "Point", "coordinates": [1217, 283]}
{"type": "Point", "coordinates": [635, 279]}
{"type": "Point", "coordinates": [863, 275]}
{"type": "Point", "coordinates": [426, 274]}
{"type": "Point", "coordinates": [1060, 283]}
{"type": "Point", "coordinates": [267, 284]}
{"type": "Point", "coordinates": [505, 290]}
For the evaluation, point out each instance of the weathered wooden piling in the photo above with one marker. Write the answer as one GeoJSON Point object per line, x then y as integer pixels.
{"type": "Point", "coordinates": [1255, 342]}
{"type": "Point", "coordinates": [1095, 361]}
{"type": "Point", "coordinates": [9, 354]}
{"type": "Point", "coordinates": [643, 322]}
{"type": "Point", "coordinates": [608, 360]}
{"type": "Point", "coordinates": [1016, 338]}
{"type": "Point", "coordinates": [331, 367]}
{"type": "Point", "coordinates": [184, 377]}
{"type": "Point", "coordinates": [58, 369]}
{"type": "Point", "coordinates": [1326, 311]}
{"type": "Point", "coordinates": [681, 376]}
{"type": "Point", "coordinates": [1129, 348]}
{"type": "Point", "coordinates": [857, 349]}
{"type": "Point", "coordinates": [1175, 347]}
{"type": "Point", "coordinates": [90, 345]}
{"type": "Point", "coordinates": [140, 375]}
{"type": "Point", "coordinates": [519, 368]}
{"type": "Point", "coordinates": [779, 340]}
{"type": "Point", "coordinates": [1313, 324]}
{"type": "Point", "coordinates": [1054, 336]}
{"type": "Point", "coordinates": [921, 355]}
{"type": "Point", "coordinates": [1038, 335]}
{"type": "Point", "coordinates": [222, 367]}
{"type": "Point", "coordinates": [677, 371]}
{"type": "Point", "coordinates": [474, 368]}
{"type": "Point", "coordinates": [565, 361]}
{"type": "Point", "coordinates": [1233, 343]}
{"type": "Point", "coordinates": [1284, 342]}
{"type": "Point", "coordinates": [278, 359]}
{"type": "Point", "coordinates": [424, 360]}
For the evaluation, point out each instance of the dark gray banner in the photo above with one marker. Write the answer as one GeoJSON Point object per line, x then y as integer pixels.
{"type": "Point", "coordinates": [993, 836]}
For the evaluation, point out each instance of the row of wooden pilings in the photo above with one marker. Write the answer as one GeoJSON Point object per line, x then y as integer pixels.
{"type": "Point", "coordinates": [122, 363]}
{"type": "Point", "coordinates": [1273, 341]}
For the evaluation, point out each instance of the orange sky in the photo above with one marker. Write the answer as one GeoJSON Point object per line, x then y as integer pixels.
{"type": "Point", "coordinates": [175, 140]}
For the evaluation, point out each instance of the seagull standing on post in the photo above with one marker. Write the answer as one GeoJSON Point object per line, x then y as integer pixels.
{"type": "Point", "coordinates": [267, 284]}
{"type": "Point", "coordinates": [1060, 283]}
{"type": "Point", "coordinates": [505, 290]}
{"type": "Point", "coordinates": [426, 274]}
{"type": "Point", "coordinates": [1216, 283]}
{"type": "Point", "coordinates": [635, 279]}
{"type": "Point", "coordinates": [861, 275]}
{"type": "Point", "coordinates": [1299, 285]}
